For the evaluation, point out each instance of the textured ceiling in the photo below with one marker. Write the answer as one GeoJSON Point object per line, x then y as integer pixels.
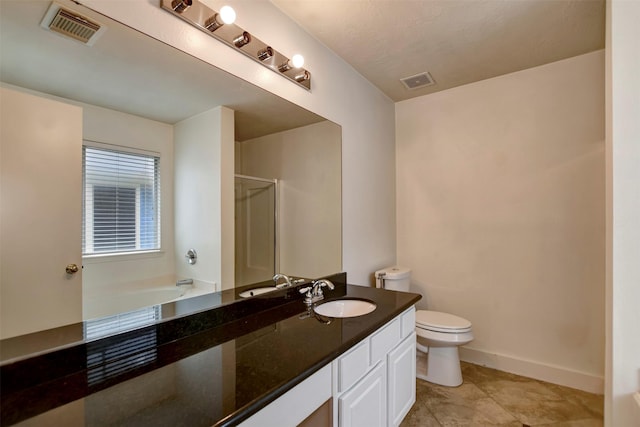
{"type": "Point", "coordinates": [456, 41]}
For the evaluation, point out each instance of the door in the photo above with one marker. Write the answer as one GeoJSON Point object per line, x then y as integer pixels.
{"type": "Point", "coordinates": [255, 230]}
{"type": "Point", "coordinates": [41, 171]}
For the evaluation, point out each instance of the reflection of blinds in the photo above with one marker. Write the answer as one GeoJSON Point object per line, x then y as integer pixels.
{"type": "Point", "coordinates": [106, 359]}
{"type": "Point", "coordinates": [110, 358]}
{"type": "Point", "coordinates": [121, 322]}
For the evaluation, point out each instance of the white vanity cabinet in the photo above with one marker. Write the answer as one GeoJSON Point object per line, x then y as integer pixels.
{"type": "Point", "coordinates": [374, 383]}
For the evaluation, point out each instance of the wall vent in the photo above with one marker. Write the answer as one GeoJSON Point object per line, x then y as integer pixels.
{"type": "Point", "coordinates": [71, 24]}
{"type": "Point", "coordinates": [418, 81]}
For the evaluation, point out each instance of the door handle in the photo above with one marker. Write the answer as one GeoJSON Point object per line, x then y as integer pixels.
{"type": "Point", "coordinates": [72, 269]}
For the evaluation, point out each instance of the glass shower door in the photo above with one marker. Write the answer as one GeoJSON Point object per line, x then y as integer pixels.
{"type": "Point", "coordinates": [255, 229]}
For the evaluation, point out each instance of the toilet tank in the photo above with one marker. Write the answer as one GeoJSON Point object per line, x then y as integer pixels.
{"type": "Point", "coordinates": [394, 278]}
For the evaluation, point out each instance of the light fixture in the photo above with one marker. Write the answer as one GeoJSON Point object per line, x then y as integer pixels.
{"type": "Point", "coordinates": [242, 39]}
{"type": "Point", "coordinates": [180, 6]}
{"type": "Point", "coordinates": [302, 76]}
{"type": "Point", "coordinates": [265, 53]}
{"type": "Point", "coordinates": [226, 16]}
{"type": "Point", "coordinates": [297, 61]}
{"type": "Point", "coordinates": [211, 22]}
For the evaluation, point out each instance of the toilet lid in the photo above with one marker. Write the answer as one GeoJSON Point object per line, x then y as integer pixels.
{"type": "Point", "coordinates": [444, 322]}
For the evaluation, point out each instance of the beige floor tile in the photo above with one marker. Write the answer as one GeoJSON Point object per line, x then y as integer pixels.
{"type": "Point", "coordinates": [465, 392]}
{"type": "Point", "coordinates": [531, 402]}
{"type": "Point", "coordinates": [420, 416]}
{"type": "Point", "coordinates": [480, 412]}
{"type": "Point", "coordinates": [594, 403]}
{"type": "Point", "coordinates": [489, 397]}
{"type": "Point", "coordinates": [465, 405]}
{"type": "Point", "coordinates": [576, 423]}
{"type": "Point", "coordinates": [479, 374]}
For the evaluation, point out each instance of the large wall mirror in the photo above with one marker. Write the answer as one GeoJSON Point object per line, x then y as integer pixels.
{"type": "Point", "coordinates": [249, 182]}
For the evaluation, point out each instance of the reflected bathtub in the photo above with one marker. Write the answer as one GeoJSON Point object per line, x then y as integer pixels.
{"type": "Point", "coordinates": [97, 306]}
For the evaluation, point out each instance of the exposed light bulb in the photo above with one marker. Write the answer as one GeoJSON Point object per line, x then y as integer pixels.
{"type": "Point", "coordinates": [297, 60]}
{"type": "Point", "coordinates": [228, 15]}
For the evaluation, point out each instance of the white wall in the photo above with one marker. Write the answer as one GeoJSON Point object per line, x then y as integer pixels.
{"type": "Point", "coordinates": [500, 213]}
{"type": "Point", "coordinates": [105, 275]}
{"type": "Point", "coordinates": [338, 93]}
{"type": "Point", "coordinates": [623, 213]}
{"type": "Point", "coordinates": [306, 161]}
{"type": "Point", "coordinates": [202, 148]}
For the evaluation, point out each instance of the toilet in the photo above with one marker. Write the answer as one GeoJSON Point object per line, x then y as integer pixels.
{"type": "Point", "coordinates": [438, 334]}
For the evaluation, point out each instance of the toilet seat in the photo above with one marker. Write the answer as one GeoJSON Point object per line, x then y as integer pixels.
{"type": "Point", "coordinates": [441, 322]}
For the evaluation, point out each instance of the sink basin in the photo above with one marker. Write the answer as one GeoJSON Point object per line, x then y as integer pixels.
{"type": "Point", "coordinates": [345, 308]}
{"type": "Point", "coordinates": [257, 291]}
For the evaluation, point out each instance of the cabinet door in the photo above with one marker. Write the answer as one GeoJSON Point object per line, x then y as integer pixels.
{"type": "Point", "coordinates": [41, 223]}
{"type": "Point", "coordinates": [366, 403]}
{"type": "Point", "coordinates": [401, 365]}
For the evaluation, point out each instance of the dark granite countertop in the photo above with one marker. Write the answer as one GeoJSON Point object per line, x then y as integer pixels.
{"type": "Point", "coordinates": [215, 367]}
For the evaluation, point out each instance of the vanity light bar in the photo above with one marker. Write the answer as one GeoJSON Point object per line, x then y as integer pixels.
{"type": "Point", "coordinates": [209, 21]}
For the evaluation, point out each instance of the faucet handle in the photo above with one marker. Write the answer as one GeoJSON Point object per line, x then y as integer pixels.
{"type": "Point", "coordinates": [321, 283]}
{"type": "Point", "coordinates": [308, 297]}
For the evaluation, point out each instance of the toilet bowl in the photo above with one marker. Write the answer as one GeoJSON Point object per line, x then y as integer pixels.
{"type": "Point", "coordinates": [438, 337]}
{"type": "Point", "coordinates": [438, 334]}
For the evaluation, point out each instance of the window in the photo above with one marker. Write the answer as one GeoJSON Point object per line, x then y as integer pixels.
{"type": "Point", "coordinates": [121, 204]}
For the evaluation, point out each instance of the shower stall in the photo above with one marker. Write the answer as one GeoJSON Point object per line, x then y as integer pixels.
{"type": "Point", "coordinates": [256, 229]}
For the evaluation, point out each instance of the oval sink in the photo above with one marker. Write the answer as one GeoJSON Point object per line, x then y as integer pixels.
{"type": "Point", "coordinates": [257, 291]}
{"type": "Point", "coordinates": [345, 308]}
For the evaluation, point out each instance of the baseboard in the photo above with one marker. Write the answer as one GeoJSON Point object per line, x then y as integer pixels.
{"type": "Point", "coordinates": [531, 369]}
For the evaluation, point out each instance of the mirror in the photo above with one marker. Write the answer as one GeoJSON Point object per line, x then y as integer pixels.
{"type": "Point", "coordinates": [206, 126]}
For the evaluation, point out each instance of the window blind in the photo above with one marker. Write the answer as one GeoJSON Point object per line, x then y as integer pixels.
{"type": "Point", "coordinates": [121, 204]}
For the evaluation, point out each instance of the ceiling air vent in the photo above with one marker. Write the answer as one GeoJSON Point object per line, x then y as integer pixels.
{"type": "Point", "coordinates": [71, 24]}
{"type": "Point", "coordinates": [418, 81]}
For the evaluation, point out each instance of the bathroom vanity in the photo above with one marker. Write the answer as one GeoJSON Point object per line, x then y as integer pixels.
{"type": "Point", "coordinates": [265, 360]}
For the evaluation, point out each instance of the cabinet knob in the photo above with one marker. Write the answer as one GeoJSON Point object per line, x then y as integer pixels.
{"type": "Point", "coordinates": [72, 269]}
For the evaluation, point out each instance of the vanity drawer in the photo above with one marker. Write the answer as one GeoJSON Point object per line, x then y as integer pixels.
{"type": "Point", "coordinates": [385, 339]}
{"type": "Point", "coordinates": [353, 365]}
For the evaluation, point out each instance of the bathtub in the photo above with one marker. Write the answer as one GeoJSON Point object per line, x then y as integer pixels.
{"type": "Point", "coordinates": [102, 305]}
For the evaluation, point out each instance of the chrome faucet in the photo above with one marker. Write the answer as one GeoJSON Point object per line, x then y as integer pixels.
{"type": "Point", "coordinates": [279, 276]}
{"type": "Point", "coordinates": [314, 293]}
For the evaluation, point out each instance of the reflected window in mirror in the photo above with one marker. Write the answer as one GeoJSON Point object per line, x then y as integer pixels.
{"type": "Point", "coordinates": [121, 200]}
{"type": "Point", "coordinates": [121, 322]}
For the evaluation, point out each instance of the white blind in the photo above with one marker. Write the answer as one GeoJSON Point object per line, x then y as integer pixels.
{"type": "Point", "coordinates": [121, 205]}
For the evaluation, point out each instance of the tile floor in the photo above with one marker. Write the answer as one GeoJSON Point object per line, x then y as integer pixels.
{"type": "Point", "coordinates": [493, 398]}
